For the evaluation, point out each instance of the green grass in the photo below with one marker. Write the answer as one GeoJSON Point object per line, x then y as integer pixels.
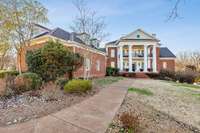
{"type": "Point", "coordinates": [107, 80]}
{"type": "Point", "coordinates": [141, 91]}
{"type": "Point", "coordinates": [187, 85]}
{"type": "Point", "coordinates": [197, 95]}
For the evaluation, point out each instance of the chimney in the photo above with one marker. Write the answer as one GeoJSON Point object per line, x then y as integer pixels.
{"type": "Point", "coordinates": [154, 35]}
{"type": "Point", "coordinates": [72, 36]}
{"type": "Point", "coordinates": [95, 42]}
{"type": "Point", "coordinates": [84, 37]}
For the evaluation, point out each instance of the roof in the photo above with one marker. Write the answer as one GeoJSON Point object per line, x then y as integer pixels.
{"type": "Point", "coordinates": [112, 43]}
{"type": "Point", "coordinates": [62, 34]}
{"type": "Point", "coordinates": [102, 49]}
{"type": "Point", "coordinates": [139, 34]}
{"type": "Point", "coordinates": [166, 53]}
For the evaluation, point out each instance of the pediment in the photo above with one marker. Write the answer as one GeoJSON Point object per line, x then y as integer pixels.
{"type": "Point", "coordinates": [139, 35]}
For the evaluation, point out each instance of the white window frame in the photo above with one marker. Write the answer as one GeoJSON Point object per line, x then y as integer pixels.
{"type": "Point", "coordinates": [112, 64]}
{"type": "Point", "coordinates": [164, 65]}
{"type": "Point", "coordinates": [87, 64]}
{"type": "Point", "coordinates": [98, 65]}
{"type": "Point", "coordinates": [112, 53]}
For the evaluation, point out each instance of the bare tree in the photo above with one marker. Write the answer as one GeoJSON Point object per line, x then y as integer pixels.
{"type": "Point", "coordinates": [18, 17]}
{"type": "Point", "coordinates": [174, 13]}
{"type": "Point", "coordinates": [185, 59]}
{"type": "Point", "coordinates": [88, 21]}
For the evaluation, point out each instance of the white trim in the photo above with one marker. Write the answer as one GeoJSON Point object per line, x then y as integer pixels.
{"type": "Point", "coordinates": [171, 58]}
{"type": "Point", "coordinates": [73, 44]}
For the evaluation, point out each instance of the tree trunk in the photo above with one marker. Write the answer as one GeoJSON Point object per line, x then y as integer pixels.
{"type": "Point", "coordinates": [19, 62]}
{"type": "Point", "coordinates": [70, 75]}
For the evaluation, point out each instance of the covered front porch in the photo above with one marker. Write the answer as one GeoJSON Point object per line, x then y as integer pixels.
{"type": "Point", "coordinates": [137, 58]}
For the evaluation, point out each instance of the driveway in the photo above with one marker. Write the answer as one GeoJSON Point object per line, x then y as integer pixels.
{"type": "Point", "coordinates": [177, 102]}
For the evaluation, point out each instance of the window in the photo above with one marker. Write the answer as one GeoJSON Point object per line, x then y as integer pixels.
{"type": "Point", "coordinates": [112, 53]}
{"type": "Point", "coordinates": [164, 65]}
{"type": "Point", "coordinates": [138, 36]}
{"type": "Point", "coordinates": [112, 64]}
{"type": "Point", "coordinates": [98, 65]}
{"type": "Point", "coordinates": [87, 64]}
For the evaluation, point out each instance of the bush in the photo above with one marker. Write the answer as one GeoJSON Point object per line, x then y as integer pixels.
{"type": "Point", "coordinates": [61, 82]}
{"type": "Point", "coordinates": [51, 92]}
{"type": "Point", "coordinates": [52, 61]}
{"type": "Point", "coordinates": [112, 71]}
{"type": "Point", "coordinates": [167, 74]}
{"type": "Point", "coordinates": [78, 86]}
{"type": "Point", "coordinates": [5, 73]}
{"type": "Point", "coordinates": [26, 82]}
{"type": "Point", "coordinates": [153, 75]}
{"type": "Point", "coordinates": [197, 79]}
{"type": "Point", "coordinates": [185, 77]}
{"type": "Point", "coordinates": [130, 121]}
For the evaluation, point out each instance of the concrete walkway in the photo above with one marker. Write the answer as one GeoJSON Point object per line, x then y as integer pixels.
{"type": "Point", "coordinates": [90, 116]}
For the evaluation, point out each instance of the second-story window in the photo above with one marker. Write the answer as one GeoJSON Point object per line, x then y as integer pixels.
{"type": "Point", "coordinates": [112, 53]}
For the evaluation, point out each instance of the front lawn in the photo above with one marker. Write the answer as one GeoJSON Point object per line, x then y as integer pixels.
{"type": "Point", "coordinates": [141, 91]}
{"type": "Point", "coordinates": [107, 80]}
{"type": "Point", "coordinates": [187, 85]}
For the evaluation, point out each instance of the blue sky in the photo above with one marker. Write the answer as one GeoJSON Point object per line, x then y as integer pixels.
{"type": "Point", "coordinates": [125, 16]}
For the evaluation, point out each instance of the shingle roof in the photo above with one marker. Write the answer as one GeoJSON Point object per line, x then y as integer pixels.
{"type": "Point", "coordinates": [112, 43]}
{"type": "Point", "coordinates": [62, 34]}
{"type": "Point", "coordinates": [166, 53]}
{"type": "Point", "coordinates": [102, 49]}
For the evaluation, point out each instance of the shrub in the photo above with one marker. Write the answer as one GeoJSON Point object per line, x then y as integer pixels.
{"type": "Point", "coordinates": [78, 86]}
{"type": "Point", "coordinates": [112, 71]}
{"type": "Point", "coordinates": [197, 79]}
{"type": "Point", "coordinates": [153, 75]}
{"type": "Point", "coordinates": [167, 74]}
{"type": "Point", "coordinates": [61, 82]}
{"type": "Point", "coordinates": [52, 61]}
{"type": "Point", "coordinates": [130, 121]}
{"type": "Point", "coordinates": [27, 81]}
{"type": "Point", "coordinates": [51, 92]}
{"type": "Point", "coordinates": [6, 73]}
{"type": "Point", "coordinates": [185, 77]}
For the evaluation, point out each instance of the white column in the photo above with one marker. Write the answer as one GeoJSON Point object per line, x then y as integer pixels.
{"type": "Point", "coordinates": [130, 58]}
{"type": "Point", "coordinates": [154, 59]}
{"type": "Point", "coordinates": [121, 57]}
{"type": "Point", "coordinates": [145, 58]}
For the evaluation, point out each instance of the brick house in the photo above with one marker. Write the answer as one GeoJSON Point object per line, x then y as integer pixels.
{"type": "Point", "coordinates": [95, 64]}
{"type": "Point", "coordinates": [139, 52]}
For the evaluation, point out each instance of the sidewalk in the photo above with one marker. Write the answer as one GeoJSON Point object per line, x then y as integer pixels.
{"type": "Point", "coordinates": [90, 116]}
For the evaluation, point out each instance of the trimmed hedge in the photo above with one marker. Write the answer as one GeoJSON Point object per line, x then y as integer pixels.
{"type": "Point", "coordinates": [5, 73]}
{"type": "Point", "coordinates": [27, 82]}
{"type": "Point", "coordinates": [112, 71]}
{"type": "Point", "coordinates": [78, 86]}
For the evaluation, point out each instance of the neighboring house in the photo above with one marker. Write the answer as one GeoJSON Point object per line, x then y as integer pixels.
{"type": "Point", "coordinates": [95, 64]}
{"type": "Point", "coordinates": [139, 52]}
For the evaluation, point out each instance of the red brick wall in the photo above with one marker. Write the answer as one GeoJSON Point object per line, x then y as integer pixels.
{"type": "Point", "coordinates": [170, 64]}
{"type": "Point", "coordinates": [111, 59]}
{"type": "Point", "coordinates": [93, 58]}
{"type": "Point", "coordinates": [80, 72]}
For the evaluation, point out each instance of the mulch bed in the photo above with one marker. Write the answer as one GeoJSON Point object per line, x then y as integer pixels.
{"type": "Point", "coordinates": [31, 105]}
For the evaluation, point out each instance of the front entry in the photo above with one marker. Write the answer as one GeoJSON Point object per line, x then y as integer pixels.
{"type": "Point", "coordinates": [133, 67]}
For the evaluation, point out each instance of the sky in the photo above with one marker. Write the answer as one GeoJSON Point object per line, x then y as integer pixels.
{"type": "Point", "coordinates": [125, 16]}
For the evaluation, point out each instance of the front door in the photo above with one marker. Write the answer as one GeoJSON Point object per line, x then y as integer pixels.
{"type": "Point", "coordinates": [133, 67]}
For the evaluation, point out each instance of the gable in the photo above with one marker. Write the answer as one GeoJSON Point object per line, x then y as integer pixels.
{"type": "Point", "coordinates": [139, 35]}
